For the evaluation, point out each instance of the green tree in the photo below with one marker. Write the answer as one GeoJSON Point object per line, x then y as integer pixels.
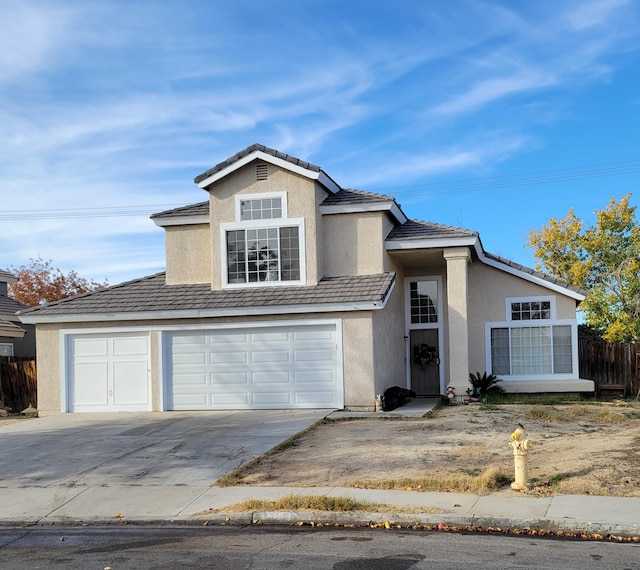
{"type": "Point", "coordinates": [39, 283]}
{"type": "Point", "coordinates": [604, 259]}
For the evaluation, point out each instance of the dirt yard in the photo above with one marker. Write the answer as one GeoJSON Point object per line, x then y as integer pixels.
{"type": "Point", "coordinates": [578, 449]}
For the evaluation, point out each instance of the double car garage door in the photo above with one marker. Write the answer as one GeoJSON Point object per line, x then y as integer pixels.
{"type": "Point", "coordinates": [278, 367]}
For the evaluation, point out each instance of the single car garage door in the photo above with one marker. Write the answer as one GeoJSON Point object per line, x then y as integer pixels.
{"type": "Point", "coordinates": [109, 372]}
{"type": "Point", "coordinates": [275, 367]}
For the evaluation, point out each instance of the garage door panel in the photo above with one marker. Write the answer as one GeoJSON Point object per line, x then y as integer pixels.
{"type": "Point", "coordinates": [108, 372]}
{"type": "Point", "coordinates": [271, 367]}
{"type": "Point", "coordinates": [196, 379]}
{"type": "Point", "coordinates": [90, 347]}
{"type": "Point", "coordinates": [326, 377]}
{"type": "Point", "coordinates": [229, 357]}
{"type": "Point", "coordinates": [325, 355]}
{"type": "Point", "coordinates": [276, 356]}
{"type": "Point", "coordinates": [191, 358]}
{"type": "Point", "coordinates": [90, 384]}
{"type": "Point", "coordinates": [230, 378]}
{"type": "Point", "coordinates": [128, 346]}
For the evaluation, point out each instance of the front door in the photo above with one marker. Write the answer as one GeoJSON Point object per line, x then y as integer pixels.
{"type": "Point", "coordinates": [425, 380]}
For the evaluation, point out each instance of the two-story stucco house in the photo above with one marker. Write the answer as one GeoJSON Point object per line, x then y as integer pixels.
{"type": "Point", "coordinates": [284, 290]}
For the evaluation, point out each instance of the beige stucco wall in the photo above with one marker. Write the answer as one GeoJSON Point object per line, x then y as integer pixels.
{"type": "Point", "coordinates": [389, 347]}
{"type": "Point", "coordinates": [488, 291]}
{"type": "Point", "coordinates": [188, 252]}
{"type": "Point", "coordinates": [302, 198]}
{"type": "Point", "coordinates": [357, 353]}
{"type": "Point", "coordinates": [354, 243]}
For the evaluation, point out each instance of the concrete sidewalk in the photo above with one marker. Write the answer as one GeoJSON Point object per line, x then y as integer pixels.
{"type": "Point", "coordinates": [199, 503]}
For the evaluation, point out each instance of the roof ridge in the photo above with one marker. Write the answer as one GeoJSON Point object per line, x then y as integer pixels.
{"type": "Point", "coordinates": [252, 148]}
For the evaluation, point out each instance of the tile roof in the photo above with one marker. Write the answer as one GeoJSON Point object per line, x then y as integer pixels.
{"type": "Point", "coordinates": [352, 196]}
{"type": "Point", "coordinates": [276, 153]}
{"type": "Point", "coordinates": [419, 230]}
{"type": "Point", "coordinates": [9, 306]}
{"type": "Point", "coordinates": [539, 274]}
{"type": "Point", "coordinates": [199, 209]}
{"type": "Point", "coordinates": [8, 326]}
{"type": "Point", "coordinates": [152, 294]}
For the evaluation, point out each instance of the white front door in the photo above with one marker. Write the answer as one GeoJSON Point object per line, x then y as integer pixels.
{"type": "Point", "coordinates": [274, 367]}
{"type": "Point", "coordinates": [109, 372]}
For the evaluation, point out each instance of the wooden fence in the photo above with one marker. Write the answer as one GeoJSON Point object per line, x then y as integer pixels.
{"type": "Point", "coordinates": [613, 366]}
{"type": "Point", "coordinates": [18, 386]}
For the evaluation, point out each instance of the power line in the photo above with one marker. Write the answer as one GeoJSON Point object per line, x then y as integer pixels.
{"type": "Point", "coordinates": [533, 178]}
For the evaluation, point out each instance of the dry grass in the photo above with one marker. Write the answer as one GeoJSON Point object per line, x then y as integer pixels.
{"type": "Point", "coordinates": [320, 503]}
{"type": "Point", "coordinates": [571, 413]}
{"type": "Point", "coordinates": [491, 479]}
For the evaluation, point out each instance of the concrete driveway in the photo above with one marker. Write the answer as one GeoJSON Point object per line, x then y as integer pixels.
{"type": "Point", "coordinates": [140, 449]}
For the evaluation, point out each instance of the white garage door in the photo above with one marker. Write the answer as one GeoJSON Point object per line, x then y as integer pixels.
{"type": "Point", "coordinates": [109, 373]}
{"type": "Point", "coordinates": [259, 368]}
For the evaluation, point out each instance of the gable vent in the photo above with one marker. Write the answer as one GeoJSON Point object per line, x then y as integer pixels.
{"type": "Point", "coordinates": [262, 171]}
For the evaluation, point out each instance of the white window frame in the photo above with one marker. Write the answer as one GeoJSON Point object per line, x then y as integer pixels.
{"type": "Point", "coordinates": [10, 345]}
{"type": "Point", "coordinates": [256, 224]}
{"type": "Point", "coordinates": [510, 300]}
{"type": "Point", "coordinates": [407, 289]}
{"type": "Point", "coordinates": [262, 196]}
{"type": "Point", "coordinates": [529, 324]}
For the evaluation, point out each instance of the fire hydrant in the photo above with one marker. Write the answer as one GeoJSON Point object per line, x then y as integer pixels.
{"type": "Point", "coordinates": [521, 446]}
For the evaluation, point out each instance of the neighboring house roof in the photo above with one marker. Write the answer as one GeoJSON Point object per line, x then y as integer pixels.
{"type": "Point", "coordinates": [9, 306]}
{"type": "Point", "coordinates": [266, 154]}
{"type": "Point", "coordinates": [7, 328]}
{"type": "Point", "coordinates": [153, 298]}
{"type": "Point", "coordinates": [7, 277]}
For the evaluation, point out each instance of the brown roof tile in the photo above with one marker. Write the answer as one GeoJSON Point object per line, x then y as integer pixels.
{"type": "Point", "coordinates": [351, 196]}
{"type": "Point", "coordinates": [199, 209]}
{"type": "Point", "coordinates": [276, 153]}
{"type": "Point", "coordinates": [152, 294]}
{"type": "Point", "coordinates": [417, 229]}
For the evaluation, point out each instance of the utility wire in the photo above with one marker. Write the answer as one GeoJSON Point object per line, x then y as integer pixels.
{"type": "Point", "coordinates": [539, 177]}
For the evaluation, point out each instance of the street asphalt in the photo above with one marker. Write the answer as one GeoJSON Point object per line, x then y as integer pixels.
{"type": "Point", "coordinates": [158, 468]}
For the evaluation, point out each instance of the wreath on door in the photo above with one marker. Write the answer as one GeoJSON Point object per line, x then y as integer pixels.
{"type": "Point", "coordinates": [425, 355]}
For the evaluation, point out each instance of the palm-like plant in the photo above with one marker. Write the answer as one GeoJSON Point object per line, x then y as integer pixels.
{"type": "Point", "coordinates": [485, 384]}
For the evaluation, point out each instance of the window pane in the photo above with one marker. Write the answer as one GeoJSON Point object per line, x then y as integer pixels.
{"type": "Point", "coordinates": [423, 301]}
{"type": "Point", "coordinates": [562, 350]}
{"type": "Point", "coordinates": [263, 254]}
{"type": "Point", "coordinates": [500, 351]}
{"type": "Point", "coordinates": [530, 310]}
{"type": "Point", "coordinates": [531, 350]}
{"type": "Point", "coordinates": [236, 257]}
{"type": "Point", "coordinates": [261, 209]}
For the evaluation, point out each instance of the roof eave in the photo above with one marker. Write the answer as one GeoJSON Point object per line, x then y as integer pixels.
{"type": "Point", "coordinates": [181, 220]}
{"type": "Point", "coordinates": [209, 313]}
{"type": "Point", "coordinates": [390, 207]}
{"type": "Point", "coordinates": [319, 175]}
{"type": "Point", "coordinates": [431, 243]}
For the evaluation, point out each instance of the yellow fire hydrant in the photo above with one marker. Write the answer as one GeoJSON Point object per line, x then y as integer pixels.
{"type": "Point", "coordinates": [521, 446]}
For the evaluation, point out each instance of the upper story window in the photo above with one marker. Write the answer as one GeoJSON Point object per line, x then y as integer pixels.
{"type": "Point", "coordinates": [534, 310]}
{"type": "Point", "coordinates": [263, 246]}
{"type": "Point", "coordinates": [261, 209]}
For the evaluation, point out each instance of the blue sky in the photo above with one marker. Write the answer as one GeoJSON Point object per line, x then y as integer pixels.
{"type": "Point", "coordinates": [493, 116]}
